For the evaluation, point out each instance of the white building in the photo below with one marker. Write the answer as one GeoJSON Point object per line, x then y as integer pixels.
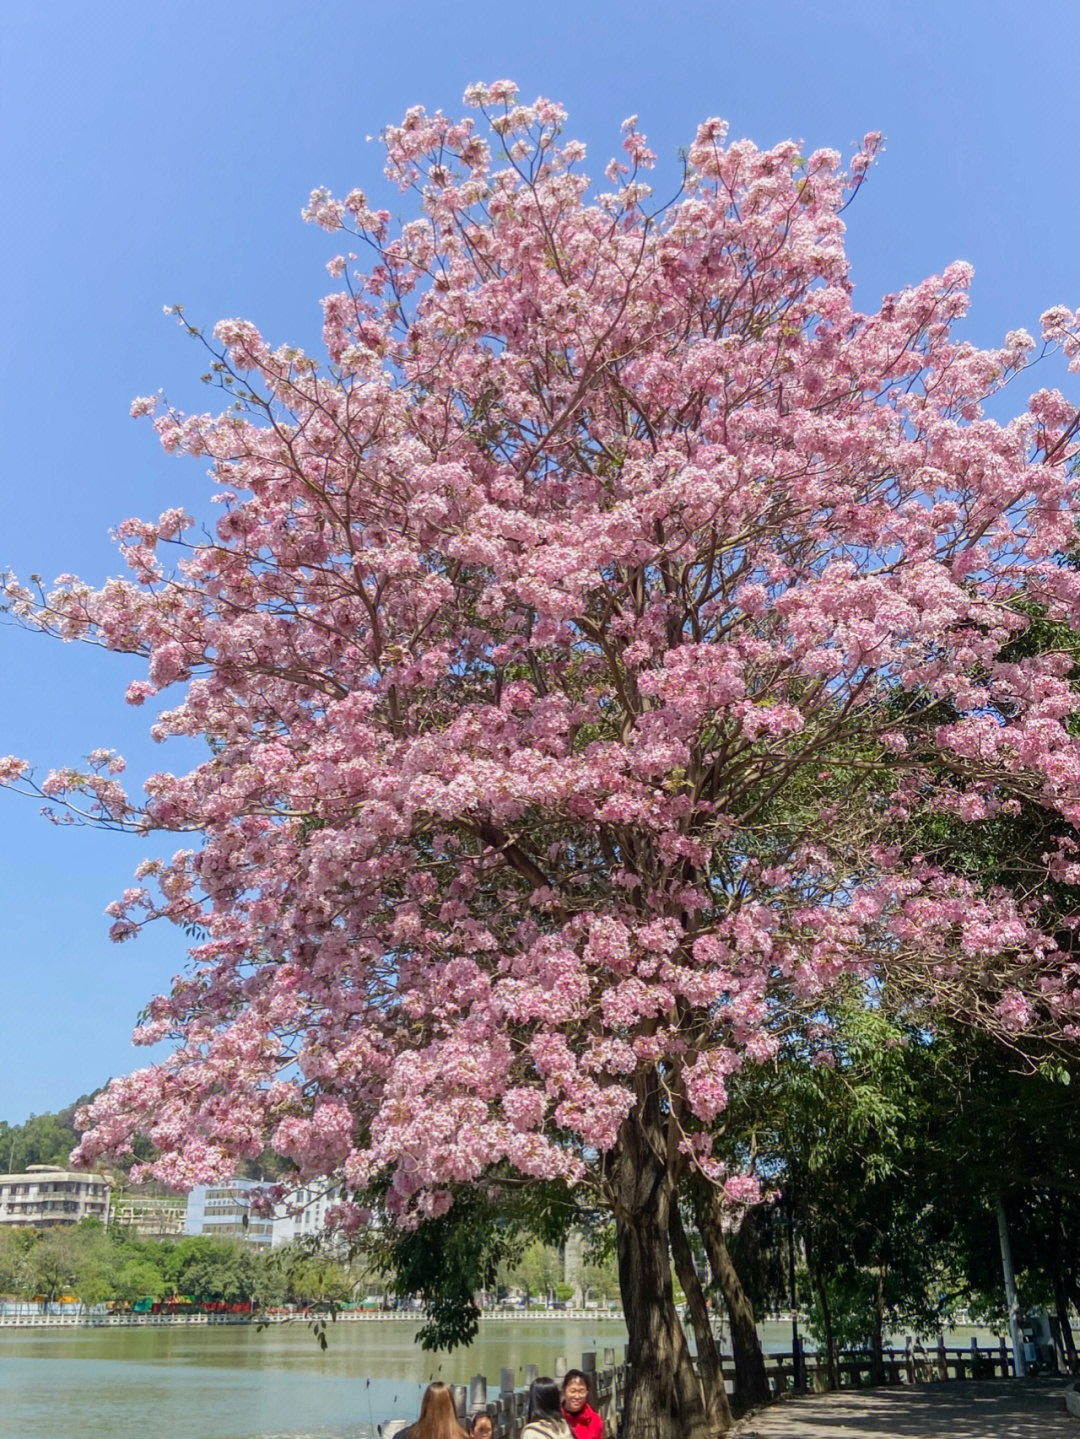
{"type": "Point", "coordinates": [224, 1210]}
{"type": "Point", "coordinates": [302, 1213]}
{"type": "Point", "coordinates": [47, 1195]}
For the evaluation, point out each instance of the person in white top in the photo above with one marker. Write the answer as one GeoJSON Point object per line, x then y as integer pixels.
{"type": "Point", "coordinates": [545, 1417]}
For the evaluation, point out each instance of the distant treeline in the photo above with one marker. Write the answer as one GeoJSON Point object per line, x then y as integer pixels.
{"type": "Point", "coordinates": [43, 1139]}
{"type": "Point", "coordinates": [96, 1265]}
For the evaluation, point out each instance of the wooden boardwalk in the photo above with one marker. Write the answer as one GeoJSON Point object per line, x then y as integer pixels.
{"type": "Point", "coordinates": [1032, 1409]}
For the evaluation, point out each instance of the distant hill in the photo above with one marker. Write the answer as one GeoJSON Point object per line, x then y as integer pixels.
{"type": "Point", "coordinates": [43, 1139]}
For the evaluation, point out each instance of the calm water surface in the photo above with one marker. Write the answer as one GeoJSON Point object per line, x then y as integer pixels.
{"type": "Point", "coordinates": [232, 1382]}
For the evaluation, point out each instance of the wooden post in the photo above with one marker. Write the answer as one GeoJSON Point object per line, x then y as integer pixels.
{"type": "Point", "coordinates": [561, 1367]}
{"type": "Point", "coordinates": [588, 1368]}
{"type": "Point", "coordinates": [909, 1357]}
{"type": "Point", "coordinates": [477, 1393]}
{"type": "Point", "coordinates": [942, 1362]}
{"type": "Point", "coordinates": [974, 1357]}
{"type": "Point", "coordinates": [461, 1395]}
{"type": "Point", "coordinates": [507, 1410]}
{"type": "Point", "coordinates": [532, 1372]}
{"type": "Point", "coordinates": [1003, 1358]}
{"type": "Point", "coordinates": [613, 1403]}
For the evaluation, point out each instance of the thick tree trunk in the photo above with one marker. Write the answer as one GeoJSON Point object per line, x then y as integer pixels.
{"type": "Point", "coordinates": [663, 1397]}
{"type": "Point", "coordinates": [751, 1380]}
{"type": "Point", "coordinates": [693, 1415]}
{"type": "Point", "coordinates": [717, 1408]}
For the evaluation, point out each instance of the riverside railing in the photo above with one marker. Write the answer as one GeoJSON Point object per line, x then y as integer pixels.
{"type": "Point", "coordinates": [73, 1316]}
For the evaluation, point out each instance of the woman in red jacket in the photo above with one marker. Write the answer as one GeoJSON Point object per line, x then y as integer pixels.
{"type": "Point", "coordinates": [582, 1418]}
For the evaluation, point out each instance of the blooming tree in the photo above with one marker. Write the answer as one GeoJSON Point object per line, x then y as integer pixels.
{"type": "Point", "coordinates": [570, 642]}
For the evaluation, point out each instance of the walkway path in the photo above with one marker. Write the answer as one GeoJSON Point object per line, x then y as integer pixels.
{"type": "Point", "coordinates": [990, 1410]}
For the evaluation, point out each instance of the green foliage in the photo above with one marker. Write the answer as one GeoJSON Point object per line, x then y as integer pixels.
{"type": "Point", "coordinates": [850, 1144]}
{"type": "Point", "coordinates": [138, 1279]}
{"type": "Point", "coordinates": [50, 1138]}
{"type": "Point", "coordinates": [218, 1270]}
{"type": "Point", "coordinates": [43, 1139]}
{"type": "Point", "coordinates": [536, 1271]}
{"type": "Point", "coordinates": [446, 1261]}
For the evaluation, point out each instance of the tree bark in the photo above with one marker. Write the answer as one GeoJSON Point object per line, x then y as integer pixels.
{"type": "Point", "coordinates": [1065, 1345]}
{"type": "Point", "coordinates": [751, 1380]}
{"type": "Point", "coordinates": [877, 1354]}
{"type": "Point", "coordinates": [663, 1398]}
{"type": "Point", "coordinates": [817, 1279]}
{"type": "Point", "coordinates": [689, 1396]}
{"type": "Point", "coordinates": [1072, 1295]}
{"type": "Point", "coordinates": [717, 1408]}
{"type": "Point", "coordinates": [1064, 1342]}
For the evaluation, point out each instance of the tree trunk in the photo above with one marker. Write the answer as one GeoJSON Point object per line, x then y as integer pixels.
{"type": "Point", "coordinates": [877, 1354]}
{"type": "Point", "coordinates": [1064, 1344]}
{"type": "Point", "coordinates": [717, 1408]}
{"type": "Point", "coordinates": [688, 1389]}
{"type": "Point", "coordinates": [821, 1289]}
{"type": "Point", "coordinates": [1071, 1294]}
{"type": "Point", "coordinates": [751, 1380]}
{"type": "Point", "coordinates": [1068, 1343]}
{"type": "Point", "coordinates": [663, 1398]}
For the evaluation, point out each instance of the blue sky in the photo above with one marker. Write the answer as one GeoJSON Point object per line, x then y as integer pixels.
{"type": "Point", "coordinates": [151, 154]}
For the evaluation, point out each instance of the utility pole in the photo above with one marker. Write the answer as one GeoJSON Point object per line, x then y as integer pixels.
{"type": "Point", "coordinates": [1011, 1299]}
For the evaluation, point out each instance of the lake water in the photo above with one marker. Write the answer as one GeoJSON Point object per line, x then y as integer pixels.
{"type": "Point", "coordinates": [234, 1382]}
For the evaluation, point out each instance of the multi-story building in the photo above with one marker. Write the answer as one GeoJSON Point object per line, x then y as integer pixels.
{"type": "Point", "coordinates": [223, 1211]}
{"type": "Point", "coordinates": [302, 1213]}
{"type": "Point", "coordinates": [46, 1195]}
{"type": "Point", "coordinates": [151, 1217]}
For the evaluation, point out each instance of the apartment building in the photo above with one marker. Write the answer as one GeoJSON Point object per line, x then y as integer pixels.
{"type": "Point", "coordinates": [47, 1195]}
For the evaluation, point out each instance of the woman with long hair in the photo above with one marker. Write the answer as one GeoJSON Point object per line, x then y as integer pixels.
{"type": "Point", "coordinates": [545, 1417]}
{"type": "Point", "coordinates": [438, 1416]}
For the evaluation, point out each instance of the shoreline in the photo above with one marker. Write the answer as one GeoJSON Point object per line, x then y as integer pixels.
{"type": "Point", "coordinates": [97, 1320]}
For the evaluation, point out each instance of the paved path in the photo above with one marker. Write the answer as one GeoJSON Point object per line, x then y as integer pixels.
{"type": "Point", "coordinates": [1031, 1410]}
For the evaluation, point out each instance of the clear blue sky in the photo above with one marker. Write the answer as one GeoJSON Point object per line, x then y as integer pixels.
{"type": "Point", "coordinates": [162, 153]}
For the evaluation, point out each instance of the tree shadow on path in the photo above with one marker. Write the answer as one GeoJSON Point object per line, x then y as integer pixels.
{"type": "Point", "coordinates": [1005, 1410]}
